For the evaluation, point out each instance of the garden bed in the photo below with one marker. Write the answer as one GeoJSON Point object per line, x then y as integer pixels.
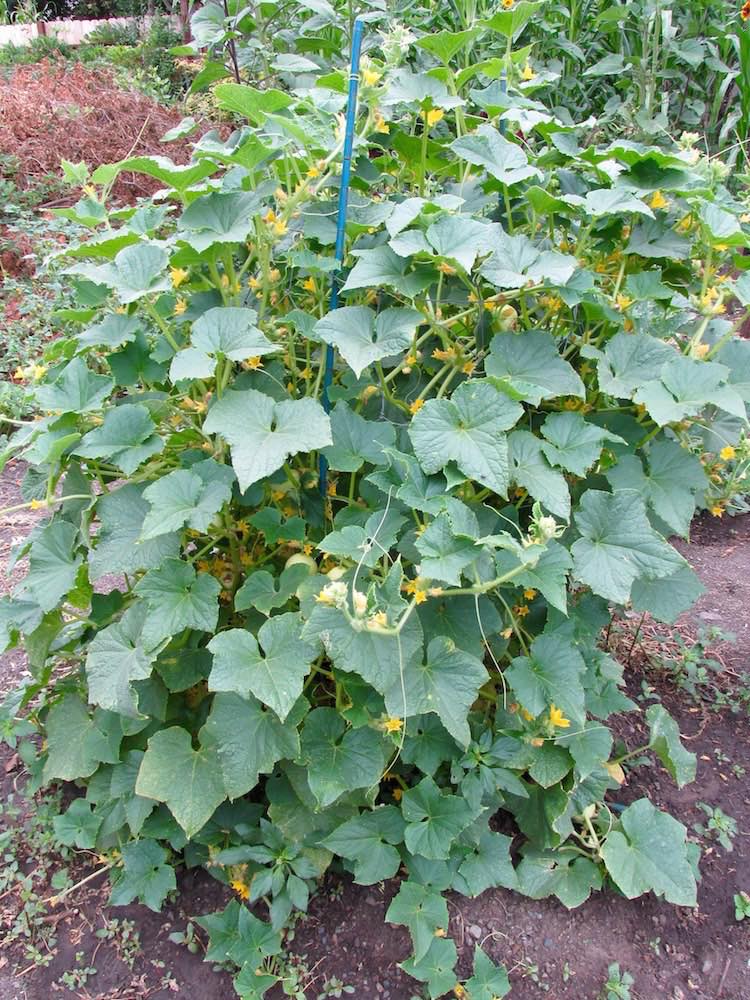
{"type": "Point", "coordinates": [700, 954]}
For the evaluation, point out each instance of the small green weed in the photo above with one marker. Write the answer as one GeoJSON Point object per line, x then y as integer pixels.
{"type": "Point", "coordinates": [618, 984]}
{"type": "Point", "coordinates": [719, 827]}
{"type": "Point", "coordinates": [741, 906]}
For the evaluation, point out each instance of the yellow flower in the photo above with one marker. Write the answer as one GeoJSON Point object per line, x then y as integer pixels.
{"type": "Point", "coordinates": [527, 715]}
{"type": "Point", "coordinates": [38, 504]}
{"type": "Point", "coordinates": [623, 302]}
{"type": "Point", "coordinates": [521, 610]}
{"type": "Point", "coordinates": [180, 307]}
{"type": "Point", "coordinates": [728, 453]}
{"type": "Point", "coordinates": [459, 992]}
{"type": "Point", "coordinates": [393, 725]}
{"type": "Point", "coordinates": [309, 284]}
{"type": "Point", "coordinates": [397, 793]}
{"type": "Point", "coordinates": [370, 77]}
{"type": "Point", "coordinates": [468, 368]}
{"type": "Point", "coordinates": [527, 73]}
{"type": "Point", "coordinates": [253, 283]}
{"type": "Point", "coordinates": [313, 172]}
{"type": "Point", "coordinates": [274, 274]}
{"type": "Point", "coordinates": [331, 490]}
{"type": "Point", "coordinates": [416, 406]}
{"type": "Point", "coordinates": [241, 888]}
{"type": "Point", "coordinates": [280, 227]}
{"type": "Point", "coordinates": [557, 718]}
{"type": "Point", "coordinates": [380, 124]}
{"type": "Point", "coordinates": [658, 200]}
{"type": "Point", "coordinates": [38, 371]}
{"type": "Point", "coordinates": [446, 269]}
{"type": "Point", "coordinates": [529, 593]}
{"type": "Point", "coordinates": [420, 596]}
{"type": "Point", "coordinates": [717, 510]}
{"type": "Point", "coordinates": [507, 4]}
{"type": "Point", "coordinates": [19, 374]}
{"type": "Point", "coordinates": [179, 276]}
{"type": "Point", "coordinates": [254, 363]}
{"type": "Point", "coordinates": [225, 281]}
{"type": "Point", "coordinates": [270, 216]}
{"type": "Point", "coordinates": [506, 633]}
{"type": "Point", "coordinates": [434, 116]}
{"type": "Point", "coordinates": [441, 355]}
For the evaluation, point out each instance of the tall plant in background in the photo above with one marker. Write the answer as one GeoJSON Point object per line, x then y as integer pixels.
{"type": "Point", "coordinates": [533, 364]}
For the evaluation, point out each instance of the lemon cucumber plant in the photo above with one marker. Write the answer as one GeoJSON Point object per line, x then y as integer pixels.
{"type": "Point", "coordinates": [534, 362]}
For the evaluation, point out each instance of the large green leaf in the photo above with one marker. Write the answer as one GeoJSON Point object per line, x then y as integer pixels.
{"type": "Point", "coordinates": [77, 741]}
{"type": "Point", "coordinates": [445, 551]}
{"type": "Point", "coordinates": [249, 740]}
{"type": "Point", "coordinates": [487, 866]}
{"type": "Point", "coordinates": [115, 658]}
{"type": "Point", "coordinates": [78, 826]}
{"type": "Point", "coordinates": [530, 365]}
{"type": "Point", "coordinates": [434, 818]}
{"type": "Point", "coordinates": [338, 759]}
{"type": "Point", "coordinates": [119, 548]}
{"type": "Point", "coordinates": [144, 875]}
{"type": "Point", "coordinates": [189, 781]}
{"type": "Point", "coordinates": [273, 667]}
{"type": "Point", "coordinates": [573, 443]}
{"type": "Point", "coordinates": [571, 878]}
{"type": "Point", "coordinates": [648, 852]}
{"type": "Point", "coordinates": [628, 360]}
{"type": "Point", "coordinates": [461, 239]}
{"type": "Point", "coordinates": [467, 429]}
{"type": "Point", "coordinates": [618, 545]}
{"type": "Point", "coordinates": [370, 841]}
{"type": "Point", "coordinates": [503, 160]}
{"type": "Point", "coordinates": [490, 981]}
{"type": "Point", "coordinates": [364, 544]}
{"type": "Point", "coordinates": [446, 683]}
{"type": "Point", "coordinates": [436, 967]}
{"type": "Point", "coordinates": [363, 336]}
{"type": "Point", "coordinates": [225, 331]}
{"type": "Point", "coordinates": [670, 485]}
{"type": "Point", "coordinates": [263, 434]}
{"type": "Point", "coordinates": [177, 175]}
{"type": "Point", "coordinates": [218, 217]}
{"type": "Point", "coordinates": [666, 599]}
{"type": "Point", "coordinates": [376, 658]}
{"type": "Point", "coordinates": [549, 575]}
{"type": "Point", "coordinates": [664, 740]}
{"type": "Point", "coordinates": [260, 589]}
{"type": "Point", "coordinates": [126, 438]}
{"type": "Point", "coordinates": [252, 103]}
{"type": "Point", "coordinates": [356, 440]}
{"type": "Point", "coordinates": [136, 271]}
{"type": "Point", "coordinates": [236, 935]}
{"type": "Point", "coordinates": [178, 599]}
{"type": "Point", "coordinates": [552, 674]}
{"type": "Point", "coordinates": [423, 910]}
{"type": "Point", "coordinates": [75, 390]}
{"type": "Point", "coordinates": [381, 266]}
{"type": "Point", "coordinates": [685, 387]}
{"type": "Point", "coordinates": [53, 565]}
{"type": "Point", "coordinates": [187, 498]}
{"type": "Point", "coordinates": [516, 262]}
{"type": "Point", "coordinates": [530, 469]}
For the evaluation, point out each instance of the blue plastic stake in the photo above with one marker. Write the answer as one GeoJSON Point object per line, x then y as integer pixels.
{"type": "Point", "coordinates": [346, 173]}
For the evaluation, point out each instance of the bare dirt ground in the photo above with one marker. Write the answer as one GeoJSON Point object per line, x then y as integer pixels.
{"type": "Point", "coordinates": [675, 954]}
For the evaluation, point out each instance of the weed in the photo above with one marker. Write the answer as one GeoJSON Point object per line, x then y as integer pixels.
{"type": "Point", "coordinates": [741, 906]}
{"type": "Point", "coordinates": [719, 827]}
{"type": "Point", "coordinates": [618, 984]}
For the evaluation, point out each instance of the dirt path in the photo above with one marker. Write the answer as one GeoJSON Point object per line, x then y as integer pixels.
{"type": "Point", "coordinates": [672, 953]}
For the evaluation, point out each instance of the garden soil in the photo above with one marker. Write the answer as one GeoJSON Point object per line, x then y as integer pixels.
{"type": "Point", "coordinates": [51, 112]}
{"type": "Point", "coordinates": [673, 954]}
